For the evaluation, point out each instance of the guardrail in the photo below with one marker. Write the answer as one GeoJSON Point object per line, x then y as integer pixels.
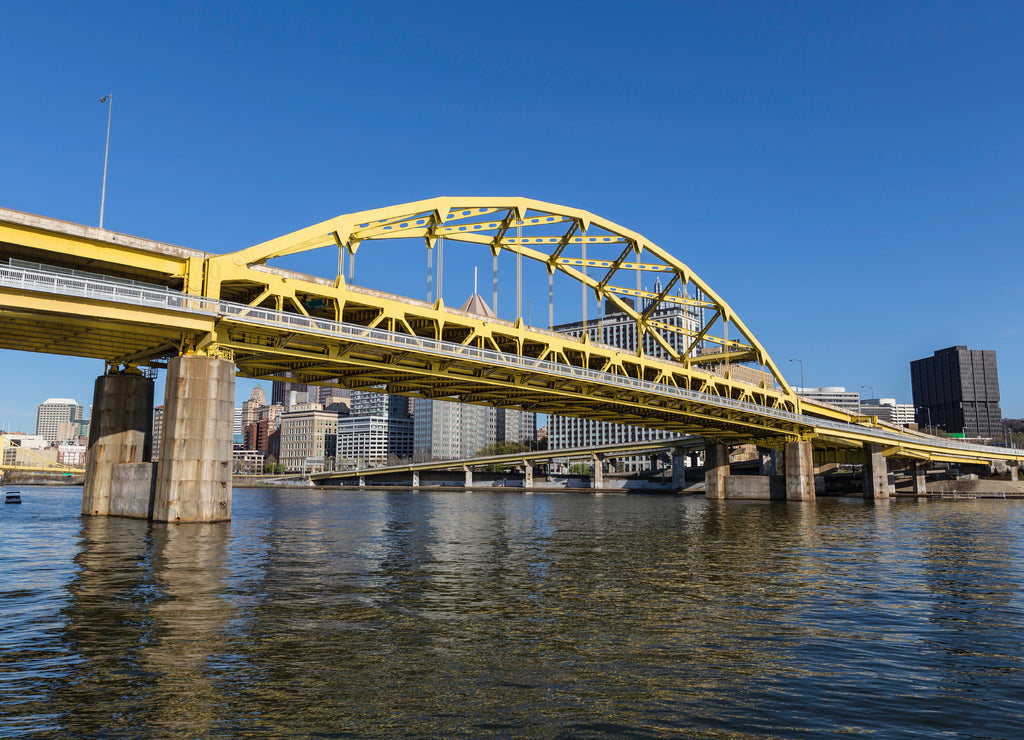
{"type": "Point", "coordinates": [96, 288]}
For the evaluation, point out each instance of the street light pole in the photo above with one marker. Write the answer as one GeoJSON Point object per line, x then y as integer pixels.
{"type": "Point", "coordinates": [926, 408]}
{"type": "Point", "coordinates": [109, 99]}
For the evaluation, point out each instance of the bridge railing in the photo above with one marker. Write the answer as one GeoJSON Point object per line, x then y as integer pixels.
{"type": "Point", "coordinates": [98, 289]}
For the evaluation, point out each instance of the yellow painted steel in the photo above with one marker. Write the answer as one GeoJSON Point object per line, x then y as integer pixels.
{"type": "Point", "coordinates": [29, 461]}
{"type": "Point", "coordinates": [715, 361]}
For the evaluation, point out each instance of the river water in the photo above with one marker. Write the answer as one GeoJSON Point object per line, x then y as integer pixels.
{"type": "Point", "coordinates": [318, 614]}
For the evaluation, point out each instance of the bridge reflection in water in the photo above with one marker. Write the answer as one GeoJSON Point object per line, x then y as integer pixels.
{"type": "Point", "coordinates": [384, 614]}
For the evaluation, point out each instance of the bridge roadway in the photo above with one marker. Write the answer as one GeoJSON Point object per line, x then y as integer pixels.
{"type": "Point", "coordinates": [77, 290]}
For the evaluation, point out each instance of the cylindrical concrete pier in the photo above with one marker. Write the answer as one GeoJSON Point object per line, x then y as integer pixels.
{"type": "Point", "coordinates": [121, 431]}
{"type": "Point", "coordinates": [194, 473]}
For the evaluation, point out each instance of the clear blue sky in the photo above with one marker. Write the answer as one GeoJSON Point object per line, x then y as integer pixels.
{"type": "Point", "coordinates": [849, 177]}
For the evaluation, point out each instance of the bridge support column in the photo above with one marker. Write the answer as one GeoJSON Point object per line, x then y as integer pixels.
{"type": "Point", "coordinates": [527, 475]}
{"type": "Point", "coordinates": [362, 481]}
{"type": "Point", "coordinates": [917, 475]}
{"type": "Point", "coordinates": [799, 463]}
{"type": "Point", "coordinates": [415, 479]}
{"type": "Point", "coordinates": [876, 472]}
{"type": "Point", "coordinates": [678, 468]}
{"type": "Point", "coordinates": [121, 431]}
{"type": "Point", "coordinates": [194, 473]}
{"type": "Point", "coordinates": [598, 468]}
{"type": "Point", "coordinates": [469, 478]}
{"type": "Point", "coordinates": [716, 470]}
{"type": "Point", "coordinates": [1014, 467]}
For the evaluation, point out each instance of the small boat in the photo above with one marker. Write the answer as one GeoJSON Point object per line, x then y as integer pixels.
{"type": "Point", "coordinates": [13, 497]}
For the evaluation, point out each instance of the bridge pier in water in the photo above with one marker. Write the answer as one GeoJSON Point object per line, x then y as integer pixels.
{"type": "Point", "coordinates": [597, 465]}
{"type": "Point", "coordinates": [917, 470]}
{"type": "Point", "coordinates": [876, 472]}
{"type": "Point", "coordinates": [799, 464]}
{"type": "Point", "coordinates": [120, 434]}
{"type": "Point", "coordinates": [797, 483]}
{"type": "Point", "coordinates": [679, 468]}
{"type": "Point", "coordinates": [716, 470]}
{"type": "Point", "coordinates": [194, 472]}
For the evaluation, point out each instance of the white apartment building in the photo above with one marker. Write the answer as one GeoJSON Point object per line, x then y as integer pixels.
{"type": "Point", "coordinates": [886, 409]}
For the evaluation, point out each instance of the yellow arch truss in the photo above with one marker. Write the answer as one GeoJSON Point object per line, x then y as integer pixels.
{"type": "Point", "coordinates": [558, 237]}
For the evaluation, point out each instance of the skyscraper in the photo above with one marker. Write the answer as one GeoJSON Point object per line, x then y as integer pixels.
{"type": "Point", "coordinates": [377, 429]}
{"type": "Point", "coordinates": [52, 412]}
{"type": "Point", "coordinates": [957, 390]}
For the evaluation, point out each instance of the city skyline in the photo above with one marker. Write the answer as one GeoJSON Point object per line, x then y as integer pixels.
{"type": "Point", "coordinates": [846, 179]}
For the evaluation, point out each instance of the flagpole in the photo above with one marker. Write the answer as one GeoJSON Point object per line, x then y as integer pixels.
{"type": "Point", "coordinates": [106, 153]}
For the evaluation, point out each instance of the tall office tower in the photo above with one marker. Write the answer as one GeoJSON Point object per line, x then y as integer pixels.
{"type": "Point", "coordinates": [52, 412]}
{"type": "Point", "coordinates": [618, 329]}
{"type": "Point", "coordinates": [446, 430]}
{"type": "Point", "coordinates": [287, 393]}
{"type": "Point", "coordinates": [957, 390]}
{"type": "Point", "coordinates": [378, 428]}
{"type": "Point", "coordinates": [326, 395]}
{"type": "Point", "coordinates": [251, 408]}
{"type": "Point", "coordinates": [513, 425]}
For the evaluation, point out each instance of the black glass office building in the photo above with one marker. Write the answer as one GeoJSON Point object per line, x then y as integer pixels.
{"type": "Point", "coordinates": [957, 390]}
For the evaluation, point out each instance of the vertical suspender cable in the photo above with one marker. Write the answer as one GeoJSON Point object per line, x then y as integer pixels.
{"type": "Point", "coordinates": [519, 270]}
{"type": "Point", "coordinates": [440, 269]}
{"type": "Point", "coordinates": [551, 300]}
{"type": "Point", "coordinates": [494, 286]}
{"type": "Point", "coordinates": [583, 285]}
{"type": "Point", "coordinates": [430, 274]}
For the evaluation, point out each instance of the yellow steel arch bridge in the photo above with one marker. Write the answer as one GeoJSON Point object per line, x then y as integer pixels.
{"type": "Point", "coordinates": [78, 290]}
{"type": "Point", "coordinates": [17, 459]}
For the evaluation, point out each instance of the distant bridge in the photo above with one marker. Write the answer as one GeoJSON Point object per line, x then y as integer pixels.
{"type": "Point", "coordinates": [15, 458]}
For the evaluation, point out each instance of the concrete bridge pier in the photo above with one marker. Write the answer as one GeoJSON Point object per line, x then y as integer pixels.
{"type": "Point", "coordinates": [598, 468]}
{"type": "Point", "coordinates": [1014, 467]}
{"type": "Point", "coordinates": [415, 479]}
{"type": "Point", "coordinates": [469, 478]}
{"type": "Point", "coordinates": [716, 470]}
{"type": "Point", "coordinates": [120, 433]}
{"type": "Point", "coordinates": [678, 468]}
{"type": "Point", "coordinates": [876, 472]}
{"type": "Point", "coordinates": [194, 473]}
{"type": "Point", "coordinates": [799, 464]}
{"type": "Point", "coordinates": [918, 477]}
{"type": "Point", "coordinates": [527, 474]}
